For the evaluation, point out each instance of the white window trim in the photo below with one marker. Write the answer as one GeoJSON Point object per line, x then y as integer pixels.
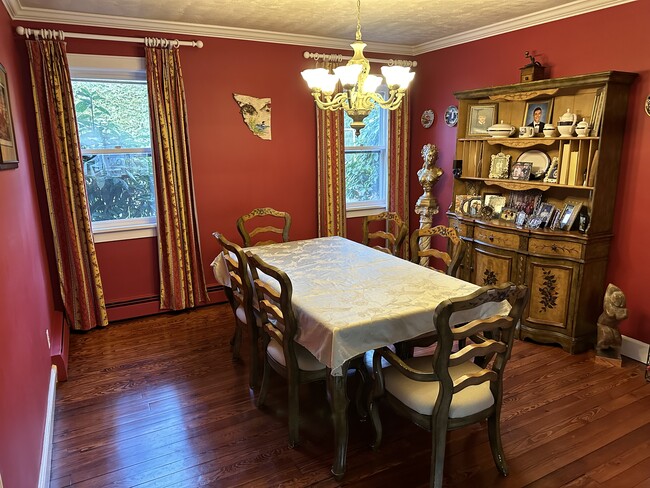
{"type": "Point", "coordinates": [96, 68]}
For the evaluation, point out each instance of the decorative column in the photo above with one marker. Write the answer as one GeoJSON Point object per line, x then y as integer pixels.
{"type": "Point", "coordinates": [427, 204]}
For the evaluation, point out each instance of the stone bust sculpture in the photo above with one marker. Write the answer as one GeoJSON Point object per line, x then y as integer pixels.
{"type": "Point", "coordinates": [614, 310]}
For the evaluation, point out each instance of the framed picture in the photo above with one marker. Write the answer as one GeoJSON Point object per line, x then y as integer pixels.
{"type": "Point", "coordinates": [524, 200]}
{"type": "Point", "coordinates": [545, 213]}
{"type": "Point", "coordinates": [551, 174]}
{"type": "Point", "coordinates": [458, 203]}
{"type": "Point", "coordinates": [480, 118]}
{"type": "Point", "coordinates": [499, 166]}
{"type": "Point", "coordinates": [472, 206]}
{"type": "Point", "coordinates": [508, 214]}
{"type": "Point", "coordinates": [568, 215]}
{"type": "Point", "coordinates": [496, 201]}
{"type": "Point", "coordinates": [520, 219]}
{"type": "Point", "coordinates": [521, 171]}
{"type": "Point", "coordinates": [8, 154]}
{"type": "Point", "coordinates": [537, 114]}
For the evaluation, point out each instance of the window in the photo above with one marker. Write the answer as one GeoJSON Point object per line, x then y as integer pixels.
{"type": "Point", "coordinates": [112, 108]}
{"type": "Point", "coordinates": [366, 165]}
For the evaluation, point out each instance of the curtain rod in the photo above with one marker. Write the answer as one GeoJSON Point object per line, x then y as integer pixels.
{"type": "Point", "coordinates": [147, 41]}
{"type": "Point", "coordinates": [337, 58]}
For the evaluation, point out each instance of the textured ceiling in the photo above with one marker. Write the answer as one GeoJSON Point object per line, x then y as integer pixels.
{"type": "Point", "coordinates": [405, 23]}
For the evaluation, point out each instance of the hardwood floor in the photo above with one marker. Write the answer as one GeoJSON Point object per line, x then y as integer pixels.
{"type": "Point", "coordinates": [158, 402]}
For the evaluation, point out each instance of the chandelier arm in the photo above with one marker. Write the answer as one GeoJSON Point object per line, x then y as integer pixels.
{"type": "Point", "coordinates": [393, 101]}
{"type": "Point", "coordinates": [328, 102]}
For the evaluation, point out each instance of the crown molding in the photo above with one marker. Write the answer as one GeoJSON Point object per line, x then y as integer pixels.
{"type": "Point", "coordinates": [572, 9]}
{"type": "Point", "coordinates": [29, 14]}
{"type": "Point", "coordinates": [577, 7]}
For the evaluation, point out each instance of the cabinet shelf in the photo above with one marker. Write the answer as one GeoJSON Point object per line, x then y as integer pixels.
{"type": "Point", "coordinates": [526, 185]}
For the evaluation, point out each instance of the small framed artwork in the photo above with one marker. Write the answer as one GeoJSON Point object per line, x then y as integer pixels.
{"type": "Point", "coordinates": [496, 201]}
{"type": "Point", "coordinates": [521, 171]}
{"type": "Point", "coordinates": [520, 219]}
{"type": "Point", "coordinates": [508, 214]}
{"type": "Point", "coordinates": [472, 206]}
{"type": "Point", "coordinates": [537, 114]}
{"type": "Point", "coordinates": [545, 213]}
{"type": "Point", "coordinates": [480, 118]}
{"type": "Point", "coordinates": [458, 203]}
{"type": "Point", "coordinates": [499, 166]}
{"type": "Point", "coordinates": [8, 153]}
{"type": "Point", "coordinates": [551, 174]}
{"type": "Point", "coordinates": [534, 222]}
{"type": "Point", "coordinates": [568, 215]}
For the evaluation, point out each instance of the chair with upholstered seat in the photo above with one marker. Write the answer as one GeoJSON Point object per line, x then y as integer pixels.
{"type": "Point", "coordinates": [450, 389]}
{"type": "Point", "coordinates": [281, 352]}
{"type": "Point", "coordinates": [268, 219]}
{"type": "Point", "coordinates": [391, 235]}
{"type": "Point", "coordinates": [456, 244]}
{"type": "Point", "coordinates": [240, 296]}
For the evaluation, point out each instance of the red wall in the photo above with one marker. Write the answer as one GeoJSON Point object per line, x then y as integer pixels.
{"type": "Point", "coordinates": [26, 304]}
{"type": "Point", "coordinates": [610, 39]}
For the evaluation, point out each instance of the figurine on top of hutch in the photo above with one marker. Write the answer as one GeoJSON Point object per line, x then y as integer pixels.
{"type": "Point", "coordinates": [536, 194]}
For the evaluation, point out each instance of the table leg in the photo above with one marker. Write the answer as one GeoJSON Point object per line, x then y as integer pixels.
{"type": "Point", "coordinates": [337, 395]}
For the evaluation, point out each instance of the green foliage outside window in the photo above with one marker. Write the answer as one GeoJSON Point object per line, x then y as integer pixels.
{"type": "Point", "coordinates": [111, 116]}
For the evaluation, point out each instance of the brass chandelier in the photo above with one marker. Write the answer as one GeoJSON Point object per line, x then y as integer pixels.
{"type": "Point", "coordinates": [359, 88]}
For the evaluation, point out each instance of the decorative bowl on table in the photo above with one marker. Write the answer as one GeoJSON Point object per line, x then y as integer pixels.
{"type": "Point", "coordinates": [501, 130]}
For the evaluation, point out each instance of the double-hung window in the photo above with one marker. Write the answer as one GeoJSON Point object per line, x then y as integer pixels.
{"type": "Point", "coordinates": [366, 165]}
{"type": "Point", "coordinates": [112, 107]}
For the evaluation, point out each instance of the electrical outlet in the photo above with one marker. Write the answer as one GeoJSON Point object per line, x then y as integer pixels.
{"type": "Point", "coordinates": [49, 346]}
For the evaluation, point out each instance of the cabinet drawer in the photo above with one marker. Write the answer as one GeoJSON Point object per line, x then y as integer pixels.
{"type": "Point", "coordinates": [548, 247]}
{"type": "Point", "coordinates": [462, 229]}
{"type": "Point", "coordinates": [500, 239]}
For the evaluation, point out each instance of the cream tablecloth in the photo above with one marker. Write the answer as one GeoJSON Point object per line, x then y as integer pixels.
{"type": "Point", "coordinates": [349, 298]}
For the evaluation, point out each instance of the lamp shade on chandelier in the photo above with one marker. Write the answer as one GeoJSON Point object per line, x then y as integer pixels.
{"type": "Point", "coordinates": [359, 88]}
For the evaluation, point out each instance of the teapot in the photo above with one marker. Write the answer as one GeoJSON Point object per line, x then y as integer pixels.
{"type": "Point", "coordinates": [549, 130]}
{"type": "Point", "coordinates": [567, 123]}
{"type": "Point", "coordinates": [583, 128]}
{"type": "Point", "coordinates": [501, 130]}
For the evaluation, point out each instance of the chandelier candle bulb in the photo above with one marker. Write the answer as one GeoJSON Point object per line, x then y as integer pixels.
{"type": "Point", "coordinates": [359, 88]}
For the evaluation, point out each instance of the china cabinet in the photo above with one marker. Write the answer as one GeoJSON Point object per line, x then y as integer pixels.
{"type": "Point", "coordinates": [554, 230]}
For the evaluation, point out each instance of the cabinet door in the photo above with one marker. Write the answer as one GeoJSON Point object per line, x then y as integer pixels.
{"type": "Point", "coordinates": [493, 266]}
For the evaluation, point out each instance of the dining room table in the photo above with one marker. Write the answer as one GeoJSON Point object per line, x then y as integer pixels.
{"type": "Point", "coordinates": [349, 298]}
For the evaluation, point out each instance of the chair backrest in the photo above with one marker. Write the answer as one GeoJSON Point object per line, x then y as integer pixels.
{"type": "Point", "coordinates": [276, 311]}
{"type": "Point", "coordinates": [455, 243]}
{"type": "Point", "coordinates": [489, 340]}
{"type": "Point", "coordinates": [240, 284]}
{"type": "Point", "coordinates": [266, 215]}
{"type": "Point", "coordinates": [393, 233]}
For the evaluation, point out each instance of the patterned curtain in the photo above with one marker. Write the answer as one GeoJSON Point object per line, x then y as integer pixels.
{"type": "Point", "coordinates": [81, 286]}
{"type": "Point", "coordinates": [331, 173]}
{"type": "Point", "coordinates": [182, 281]}
{"type": "Point", "coordinates": [398, 163]}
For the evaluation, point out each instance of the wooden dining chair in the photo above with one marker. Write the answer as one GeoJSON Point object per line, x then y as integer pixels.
{"type": "Point", "coordinates": [240, 296]}
{"type": "Point", "coordinates": [443, 260]}
{"type": "Point", "coordinates": [449, 390]}
{"type": "Point", "coordinates": [392, 234]}
{"type": "Point", "coordinates": [268, 218]}
{"type": "Point", "coordinates": [282, 353]}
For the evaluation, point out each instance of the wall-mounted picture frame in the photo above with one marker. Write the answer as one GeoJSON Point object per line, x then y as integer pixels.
{"type": "Point", "coordinates": [521, 171]}
{"type": "Point", "coordinates": [8, 153]}
{"type": "Point", "coordinates": [499, 166]}
{"type": "Point", "coordinates": [568, 215]}
{"type": "Point", "coordinates": [480, 118]}
{"type": "Point", "coordinates": [537, 114]}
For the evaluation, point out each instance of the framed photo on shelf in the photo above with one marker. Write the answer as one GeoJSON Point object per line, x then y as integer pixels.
{"type": "Point", "coordinates": [480, 118]}
{"type": "Point", "coordinates": [568, 215]}
{"type": "Point", "coordinates": [458, 203]}
{"type": "Point", "coordinates": [496, 201]}
{"type": "Point", "coordinates": [537, 114]}
{"type": "Point", "coordinates": [551, 174]}
{"type": "Point", "coordinates": [472, 206]}
{"type": "Point", "coordinates": [524, 200]}
{"type": "Point", "coordinates": [521, 171]}
{"type": "Point", "coordinates": [499, 166]}
{"type": "Point", "coordinates": [545, 213]}
{"type": "Point", "coordinates": [508, 214]}
{"type": "Point", "coordinates": [8, 153]}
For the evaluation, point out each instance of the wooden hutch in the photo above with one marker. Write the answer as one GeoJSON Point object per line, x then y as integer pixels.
{"type": "Point", "coordinates": [565, 270]}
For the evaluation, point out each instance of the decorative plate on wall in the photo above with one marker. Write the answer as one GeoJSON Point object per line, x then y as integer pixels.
{"type": "Point", "coordinates": [451, 116]}
{"type": "Point", "coordinates": [647, 105]}
{"type": "Point", "coordinates": [427, 118]}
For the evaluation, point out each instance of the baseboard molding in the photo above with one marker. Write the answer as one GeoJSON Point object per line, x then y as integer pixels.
{"type": "Point", "coordinates": [48, 434]}
{"type": "Point", "coordinates": [634, 349]}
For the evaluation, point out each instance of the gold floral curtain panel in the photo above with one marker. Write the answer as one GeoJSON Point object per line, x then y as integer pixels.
{"type": "Point", "coordinates": [398, 163]}
{"type": "Point", "coordinates": [182, 281]}
{"type": "Point", "coordinates": [331, 173]}
{"type": "Point", "coordinates": [81, 287]}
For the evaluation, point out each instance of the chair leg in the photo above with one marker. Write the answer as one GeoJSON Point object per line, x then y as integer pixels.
{"type": "Point", "coordinates": [254, 375]}
{"type": "Point", "coordinates": [293, 412]}
{"type": "Point", "coordinates": [439, 443]}
{"type": "Point", "coordinates": [494, 433]}
{"type": "Point", "coordinates": [373, 413]}
{"type": "Point", "coordinates": [264, 387]}
{"type": "Point", "coordinates": [236, 340]}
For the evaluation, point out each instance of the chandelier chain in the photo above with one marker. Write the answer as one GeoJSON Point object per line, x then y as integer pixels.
{"type": "Point", "coordinates": [358, 36]}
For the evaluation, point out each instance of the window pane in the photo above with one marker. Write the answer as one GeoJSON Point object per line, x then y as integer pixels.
{"type": "Point", "coordinates": [112, 114]}
{"type": "Point", "coordinates": [370, 135]}
{"type": "Point", "coordinates": [120, 186]}
{"type": "Point", "coordinates": [364, 176]}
